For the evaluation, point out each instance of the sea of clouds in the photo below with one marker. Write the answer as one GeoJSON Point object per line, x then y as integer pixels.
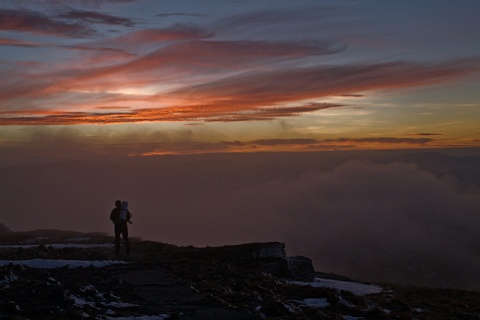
{"type": "Point", "coordinates": [374, 218]}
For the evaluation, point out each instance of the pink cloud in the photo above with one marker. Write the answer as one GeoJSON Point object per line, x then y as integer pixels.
{"type": "Point", "coordinates": [315, 82]}
{"type": "Point", "coordinates": [199, 56]}
{"type": "Point", "coordinates": [17, 43]}
{"type": "Point", "coordinates": [176, 61]}
{"type": "Point", "coordinates": [238, 80]}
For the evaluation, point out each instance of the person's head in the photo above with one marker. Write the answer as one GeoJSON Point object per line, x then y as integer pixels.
{"type": "Point", "coordinates": [118, 203]}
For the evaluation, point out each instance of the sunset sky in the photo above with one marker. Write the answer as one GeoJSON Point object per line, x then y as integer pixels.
{"type": "Point", "coordinates": [203, 114]}
{"type": "Point", "coordinates": [148, 77]}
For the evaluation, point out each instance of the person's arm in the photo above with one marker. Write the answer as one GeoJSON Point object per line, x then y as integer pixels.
{"type": "Point", "coordinates": [112, 215]}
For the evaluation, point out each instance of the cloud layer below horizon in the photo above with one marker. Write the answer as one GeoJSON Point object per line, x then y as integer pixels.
{"type": "Point", "coordinates": [405, 218]}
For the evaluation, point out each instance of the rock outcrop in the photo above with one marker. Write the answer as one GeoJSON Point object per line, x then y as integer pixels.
{"type": "Point", "coordinates": [269, 257]}
{"type": "Point", "coordinates": [299, 268]}
{"type": "Point", "coordinates": [4, 230]}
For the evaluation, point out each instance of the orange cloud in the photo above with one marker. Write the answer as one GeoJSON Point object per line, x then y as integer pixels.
{"type": "Point", "coordinates": [190, 76]}
{"type": "Point", "coordinates": [242, 97]}
{"type": "Point", "coordinates": [425, 134]}
{"type": "Point", "coordinates": [205, 113]}
{"type": "Point", "coordinates": [381, 140]}
{"type": "Point", "coordinates": [296, 144]}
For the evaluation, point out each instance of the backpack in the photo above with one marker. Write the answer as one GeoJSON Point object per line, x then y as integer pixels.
{"type": "Point", "coordinates": [124, 211]}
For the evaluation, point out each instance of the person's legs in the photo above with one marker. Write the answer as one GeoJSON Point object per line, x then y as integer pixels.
{"type": "Point", "coordinates": [125, 238]}
{"type": "Point", "coordinates": [122, 229]}
{"type": "Point", "coordinates": [118, 231]}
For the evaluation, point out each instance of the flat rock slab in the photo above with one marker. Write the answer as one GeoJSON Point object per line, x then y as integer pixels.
{"type": "Point", "coordinates": [163, 294]}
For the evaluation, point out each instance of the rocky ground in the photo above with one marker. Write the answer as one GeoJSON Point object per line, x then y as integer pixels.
{"type": "Point", "coordinates": [161, 281]}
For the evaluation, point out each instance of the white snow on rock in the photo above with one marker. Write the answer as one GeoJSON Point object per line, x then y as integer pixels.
{"type": "Point", "coordinates": [60, 245]}
{"type": "Point", "coordinates": [359, 289]}
{"type": "Point", "coordinates": [78, 239]}
{"type": "Point", "coordinates": [52, 264]}
{"type": "Point", "coordinates": [8, 278]}
{"type": "Point", "coordinates": [313, 302]}
{"type": "Point", "coordinates": [159, 317]}
{"type": "Point", "coordinates": [80, 302]}
{"type": "Point", "coordinates": [119, 305]}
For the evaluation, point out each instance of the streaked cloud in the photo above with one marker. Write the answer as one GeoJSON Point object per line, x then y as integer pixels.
{"type": "Point", "coordinates": [155, 37]}
{"type": "Point", "coordinates": [82, 2]}
{"type": "Point", "coordinates": [425, 134]}
{"type": "Point", "coordinates": [87, 16]}
{"type": "Point", "coordinates": [321, 81]}
{"type": "Point", "coordinates": [181, 14]}
{"type": "Point", "coordinates": [282, 145]}
{"type": "Point", "coordinates": [251, 95]}
{"type": "Point", "coordinates": [100, 53]}
{"type": "Point", "coordinates": [17, 43]}
{"type": "Point", "coordinates": [70, 23]}
{"type": "Point", "coordinates": [127, 115]}
{"type": "Point", "coordinates": [298, 18]}
{"type": "Point", "coordinates": [35, 22]}
{"type": "Point", "coordinates": [382, 140]}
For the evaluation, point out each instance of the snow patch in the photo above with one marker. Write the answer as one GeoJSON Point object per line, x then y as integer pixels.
{"type": "Point", "coordinates": [8, 278]}
{"type": "Point", "coordinates": [59, 245]}
{"type": "Point", "coordinates": [79, 239]}
{"type": "Point", "coordinates": [313, 302]}
{"type": "Point", "coordinates": [52, 264]}
{"type": "Point", "coordinates": [119, 305]}
{"type": "Point", "coordinates": [159, 317]}
{"type": "Point", "coordinates": [80, 302]}
{"type": "Point", "coordinates": [359, 289]}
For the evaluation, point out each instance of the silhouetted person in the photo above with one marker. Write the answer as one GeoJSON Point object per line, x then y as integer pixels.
{"type": "Point", "coordinates": [120, 216]}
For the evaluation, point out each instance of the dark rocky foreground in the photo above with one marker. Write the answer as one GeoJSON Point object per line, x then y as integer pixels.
{"type": "Point", "coordinates": [161, 281]}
